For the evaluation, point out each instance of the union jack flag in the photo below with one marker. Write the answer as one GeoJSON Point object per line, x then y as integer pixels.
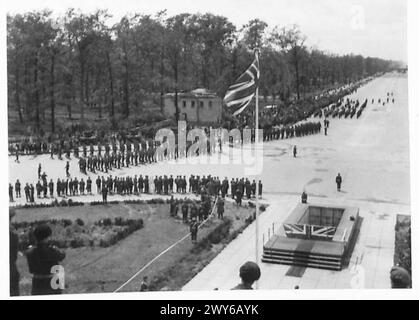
{"type": "Point", "coordinates": [323, 231]}
{"type": "Point", "coordinates": [300, 229]}
{"type": "Point", "coordinates": [241, 93]}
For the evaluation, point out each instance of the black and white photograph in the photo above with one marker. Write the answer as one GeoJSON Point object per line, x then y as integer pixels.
{"type": "Point", "coordinates": [207, 146]}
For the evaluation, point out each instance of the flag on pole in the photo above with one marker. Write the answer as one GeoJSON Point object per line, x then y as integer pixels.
{"type": "Point", "coordinates": [239, 94]}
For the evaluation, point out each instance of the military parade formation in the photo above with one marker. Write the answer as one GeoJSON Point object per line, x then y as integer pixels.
{"type": "Point", "coordinates": [209, 192]}
{"type": "Point", "coordinates": [136, 185]}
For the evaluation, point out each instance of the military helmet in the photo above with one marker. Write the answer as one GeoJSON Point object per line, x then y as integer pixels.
{"type": "Point", "coordinates": [400, 278]}
{"type": "Point", "coordinates": [250, 271]}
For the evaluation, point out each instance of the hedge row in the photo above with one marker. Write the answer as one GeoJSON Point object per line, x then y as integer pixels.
{"type": "Point", "coordinates": [71, 203]}
{"type": "Point", "coordinates": [69, 234]}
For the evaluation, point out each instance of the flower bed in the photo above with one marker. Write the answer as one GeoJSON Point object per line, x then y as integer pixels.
{"type": "Point", "coordinates": [74, 234]}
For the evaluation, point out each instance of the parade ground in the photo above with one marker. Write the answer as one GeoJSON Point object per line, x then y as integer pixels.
{"type": "Point", "coordinates": [372, 155]}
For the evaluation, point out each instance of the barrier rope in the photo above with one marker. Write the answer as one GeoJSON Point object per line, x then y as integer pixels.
{"type": "Point", "coordinates": [166, 250]}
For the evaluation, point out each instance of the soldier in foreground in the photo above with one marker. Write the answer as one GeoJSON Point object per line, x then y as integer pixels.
{"type": "Point", "coordinates": [41, 259]}
{"type": "Point", "coordinates": [249, 273]}
{"type": "Point", "coordinates": [400, 278]}
{"type": "Point", "coordinates": [13, 251]}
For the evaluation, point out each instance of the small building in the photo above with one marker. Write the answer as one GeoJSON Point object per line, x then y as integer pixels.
{"type": "Point", "coordinates": [198, 106]}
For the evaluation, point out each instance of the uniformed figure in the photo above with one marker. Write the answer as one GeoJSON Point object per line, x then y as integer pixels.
{"type": "Point", "coordinates": [260, 186]}
{"type": "Point", "coordinates": [41, 259]}
{"type": "Point", "coordinates": [294, 151]}
{"type": "Point", "coordinates": [67, 169]}
{"type": "Point", "coordinates": [104, 193]}
{"type": "Point", "coordinates": [27, 193]}
{"type": "Point", "coordinates": [194, 211]}
{"type": "Point", "coordinates": [194, 230]}
{"type": "Point", "coordinates": [32, 193]}
{"type": "Point", "coordinates": [144, 284]}
{"type": "Point", "coordinates": [98, 184]}
{"type": "Point", "coordinates": [146, 185]}
{"type": "Point", "coordinates": [51, 188]}
{"type": "Point", "coordinates": [10, 192]}
{"type": "Point", "coordinates": [338, 181]}
{"type": "Point", "coordinates": [13, 251]}
{"type": "Point", "coordinates": [17, 188]}
{"type": "Point", "coordinates": [249, 273]}
{"type": "Point", "coordinates": [185, 209]}
{"type": "Point", "coordinates": [239, 196]}
{"type": "Point", "coordinates": [220, 208]}
{"type": "Point", "coordinates": [304, 197]}
{"type": "Point", "coordinates": [172, 206]}
{"type": "Point", "coordinates": [39, 171]}
{"type": "Point", "coordinates": [89, 185]}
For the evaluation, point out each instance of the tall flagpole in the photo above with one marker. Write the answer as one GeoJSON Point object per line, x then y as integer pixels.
{"type": "Point", "coordinates": [257, 181]}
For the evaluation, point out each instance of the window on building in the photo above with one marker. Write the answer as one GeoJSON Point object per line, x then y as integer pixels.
{"type": "Point", "coordinates": [201, 104]}
{"type": "Point", "coordinates": [210, 104]}
{"type": "Point", "coordinates": [184, 103]}
{"type": "Point", "coordinates": [193, 104]}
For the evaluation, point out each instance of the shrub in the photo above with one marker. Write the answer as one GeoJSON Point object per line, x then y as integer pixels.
{"type": "Point", "coordinates": [63, 203]}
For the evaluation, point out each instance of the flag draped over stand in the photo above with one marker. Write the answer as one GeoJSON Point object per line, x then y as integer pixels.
{"type": "Point", "coordinates": [237, 98]}
{"type": "Point", "coordinates": [241, 93]}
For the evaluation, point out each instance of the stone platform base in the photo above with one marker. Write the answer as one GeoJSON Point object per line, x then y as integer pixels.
{"type": "Point", "coordinates": [301, 248]}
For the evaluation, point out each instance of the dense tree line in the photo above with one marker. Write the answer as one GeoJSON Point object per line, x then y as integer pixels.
{"type": "Point", "coordinates": [80, 64]}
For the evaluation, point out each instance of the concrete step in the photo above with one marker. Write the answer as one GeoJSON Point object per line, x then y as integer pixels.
{"type": "Point", "coordinates": [302, 263]}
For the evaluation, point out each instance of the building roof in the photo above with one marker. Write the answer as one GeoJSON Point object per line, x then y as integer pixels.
{"type": "Point", "coordinates": [196, 93]}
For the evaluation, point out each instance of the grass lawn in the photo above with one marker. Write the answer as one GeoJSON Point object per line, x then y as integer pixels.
{"type": "Point", "coordinates": [95, 269]}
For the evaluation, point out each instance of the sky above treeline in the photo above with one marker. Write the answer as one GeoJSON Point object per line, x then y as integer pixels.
{"type": "Point", "coordinates": [376, 28]}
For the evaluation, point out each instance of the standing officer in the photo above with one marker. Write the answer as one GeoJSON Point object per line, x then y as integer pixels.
{"type": "Point", "coordinates": [89, 185]}
{"type": "Point", "coordinates": [10, 192]}
{"type": "Point", "coordinates": [13, 252]}
{"type": "Point", "coordinates": [17, 188]}
{"type": "Point", "coordinates": [67, 169]}
{"type": "Point", "coordinates": [185, 209]}
{"type": "Point", "coordinates": [304, 197]}
{"type": "Point", "coordinates": [260, 186]}
{"type": "Point", "coordinates": [194, 230]}
{"type": "Point", "coordinates": [41, 260]}
{"type": "Point", "coordinates": [98, 183]}
{"type": "Point", "coordinates": [51, 188]}
{"type": "Point", "coordinates": [338, 181]}
{"type": "Point", "coordinates": [294, 151]}
{"type": "Point", "coordinates": [220, 208]}
{"type": "Point", "coordinates": [104, 193]}
{"type": "Point", "coordinates": [239, 195]}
